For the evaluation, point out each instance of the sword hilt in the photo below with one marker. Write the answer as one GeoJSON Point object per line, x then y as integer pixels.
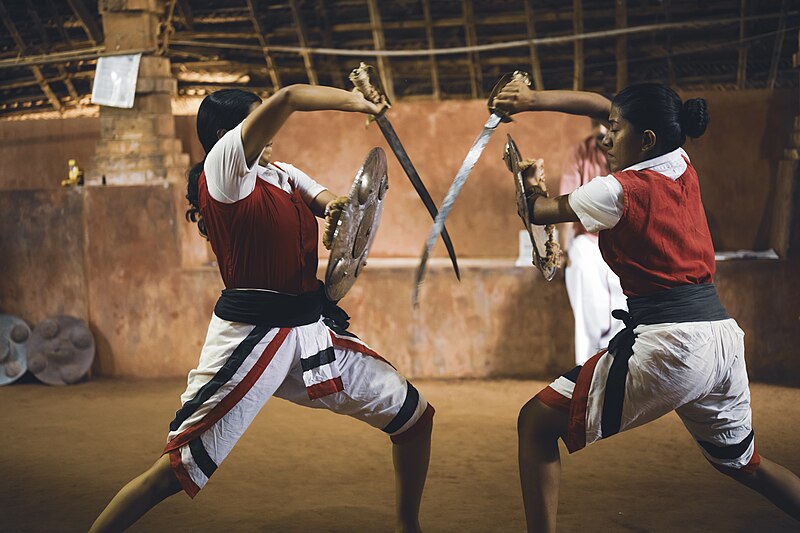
{"type": "Point", "coordinates": [504, 80]}
{"type": "Point", "coordinates": [367, 81]}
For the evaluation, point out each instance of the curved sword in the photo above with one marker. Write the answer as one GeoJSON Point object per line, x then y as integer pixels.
{"type": "Point", "coordinates": [361, 79]}
{"type": "Point", "coordinates": [474, 153]}
{"type": "Point", "coordinates": [455, 188]}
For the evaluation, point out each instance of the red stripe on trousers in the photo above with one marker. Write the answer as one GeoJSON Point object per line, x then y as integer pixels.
{"type": "Point", "coordinates": [425, 419]}
{"type": "Point", "coordinates": [553, 399]}
{"type": "Point", "coordinates": [325, 388]}
{"type": "Point", "coordinates": [356, 347]}
{"type": "Point", "coordinates": [754, 462]}
{"type": "Point", "coordinates": [576, 430]}
{"type": "Point", "coordinates": [750, 468]}
{"type": "Point", "coordinates": [233, 397]}
{"type": "Point", "coordinates": [189, 486]}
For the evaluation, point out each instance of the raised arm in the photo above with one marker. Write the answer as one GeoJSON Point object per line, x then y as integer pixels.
{"type": "Point", "coordinates": [517, 97]}
{"type": "Point", "coordinates": [265, 121]}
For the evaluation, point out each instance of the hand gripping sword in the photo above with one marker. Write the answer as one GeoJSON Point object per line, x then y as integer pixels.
{"type": "Point", "coordinates": [362, 79]}
{"type": "Point", "coordinates": [497, 116]}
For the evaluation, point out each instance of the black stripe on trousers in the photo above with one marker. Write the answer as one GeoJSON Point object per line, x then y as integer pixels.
{"type": "Point", "coordinates": [406, 411]}
{"type": "Point", "coordinates": [572, 375]}
{"type": "Point", "coordinates": [315, 361]}
{"type": "Point", "coordinates": [201, 457]}
{"type": "Point", "coordinates": [734, 451]}
{"type": "Point", "coordinates": [614, 396]}
{"type": "Point", "coordinates": [222, 376]}
{"type": "Point", "coordinates": [339, 330]}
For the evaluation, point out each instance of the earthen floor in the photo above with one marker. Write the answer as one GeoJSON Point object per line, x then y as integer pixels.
{"type": "Point", "coordinates": [65, 452]}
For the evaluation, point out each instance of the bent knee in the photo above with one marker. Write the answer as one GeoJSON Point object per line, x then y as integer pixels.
{"type": "Point", "coordinates": [422, 428]}
{"type": "Point", "coordinates": [536, 419]}
{"type": "Point", "coordinates": [161, 478]}
{"type": "Point", "coordinates": [732, 459]}
{"type": "Point", "coordinates": [741, 473]}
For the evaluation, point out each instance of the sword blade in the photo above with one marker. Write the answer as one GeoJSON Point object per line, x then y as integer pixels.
{"type": "Point", "coordinates": [455, 188]}
{"type": "Point", "coordinates": [413, 176]}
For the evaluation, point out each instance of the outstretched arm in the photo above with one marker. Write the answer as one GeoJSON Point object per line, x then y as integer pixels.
{"type": "Point", "coordinates": [320, 203]}
{"type": "Point", "coordinates": [517, 97]}
{"type": "Point", "coordinates": [551, 210]}
{"type": "Point", "coordinates": [541, 208]}
{"type": "Point", "coordinates": [265, 121]}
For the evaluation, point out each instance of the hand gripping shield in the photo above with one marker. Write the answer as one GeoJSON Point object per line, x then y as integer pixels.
{"type": "Point", "coordinates": [357, 226]}
{"type": "Point", "coordinates": [546, 251]}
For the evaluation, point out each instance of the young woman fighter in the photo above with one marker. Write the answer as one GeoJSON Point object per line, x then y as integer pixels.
{"type": "Point", "coordinates": [680, 350]}
{"type": "Point", "coordinates": [272, 333]}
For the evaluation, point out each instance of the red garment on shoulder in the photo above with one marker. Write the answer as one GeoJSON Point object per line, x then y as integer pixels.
{"type": "Point", "coordinates": [662, 240]}
{"type": "Point", "coordinates": [267, 240]}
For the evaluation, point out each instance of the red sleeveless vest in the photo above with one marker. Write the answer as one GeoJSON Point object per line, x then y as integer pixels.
{"type": "Point", "coordinates": [662, 240]}
{"type": "Point", "coordinates": [267, 240]}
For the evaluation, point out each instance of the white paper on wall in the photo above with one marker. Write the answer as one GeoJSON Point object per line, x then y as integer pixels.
{"type": "Point", "coordinates": [115, 80]}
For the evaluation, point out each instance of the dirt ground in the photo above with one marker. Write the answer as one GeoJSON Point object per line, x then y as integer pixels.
{"type": "Point", "coordinates": [66, 451]}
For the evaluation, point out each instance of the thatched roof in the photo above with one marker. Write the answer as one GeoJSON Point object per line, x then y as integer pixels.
{"type": "Point", "coordinates": [48, 48]}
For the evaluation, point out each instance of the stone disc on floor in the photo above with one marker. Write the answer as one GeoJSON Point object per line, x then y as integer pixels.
{"type": "Point", "coordinates": [14, 337]}
{"type": "Point", "coordinates": [61, 350]}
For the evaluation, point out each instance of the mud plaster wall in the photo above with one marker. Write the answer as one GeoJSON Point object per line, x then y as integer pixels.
{"type": "Point", "coordinates": [34, 153]}
{"type": "Point", "coordinates": [124, 259]}
{"type": "Point", "coordinates": [736, 158]}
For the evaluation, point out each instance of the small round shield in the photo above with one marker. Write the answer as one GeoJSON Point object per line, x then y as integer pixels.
{"type": "Point", "coordinates": [14, 335]}
{"type": "Point", "coordinates": [61, 350]}
{"type": "Point", "coordinates": [545, 249]}
{"type": "Point", "coordinates": [357, 226]}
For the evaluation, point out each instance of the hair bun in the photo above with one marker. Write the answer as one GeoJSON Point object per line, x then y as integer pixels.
{"type": "Point", "coordinates": [694, 117]}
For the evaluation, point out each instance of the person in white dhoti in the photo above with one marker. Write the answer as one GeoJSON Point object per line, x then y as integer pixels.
{"type": "Point", "coordinates": [273, 332]}
{"type": "Point", "coordinates": [680, 350]}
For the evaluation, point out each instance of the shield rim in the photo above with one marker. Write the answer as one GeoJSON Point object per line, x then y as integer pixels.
{"type": "Point", "coordinates": [513, 158]}
{"type": "Point", "coordinates": [379, 156]}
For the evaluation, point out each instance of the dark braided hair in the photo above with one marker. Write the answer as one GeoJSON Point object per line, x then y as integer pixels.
{"type": "Point", "coordinates": [220, 110]}
{"type": "Point", "coordinates": [656, 107]}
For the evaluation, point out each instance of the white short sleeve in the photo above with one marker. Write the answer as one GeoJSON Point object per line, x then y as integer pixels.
{"type": "Point", "coordinates": [307, 187]}
{"type": "Point", "coordinates": [599, 203]}
{"type": "Point", "coordinates": [228, 177]}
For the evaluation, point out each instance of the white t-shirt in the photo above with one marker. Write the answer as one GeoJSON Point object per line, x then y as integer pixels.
{"type": "Point", "coordinates": [599, 203]}
{"type": "Point", "coordinates": [229, 179]}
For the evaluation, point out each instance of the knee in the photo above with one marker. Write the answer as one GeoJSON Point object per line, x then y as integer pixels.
{"type": "Point", "coordinates": [533, 421]}
{"type": "Point", "coordinates": [420, 431]}
{"type": "Point", "coordinates": [160, 478]}
{"type": "Point", "coordinates": [744, 474]}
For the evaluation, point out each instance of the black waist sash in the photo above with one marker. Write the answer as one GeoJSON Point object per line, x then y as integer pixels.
{"type": "Point", "coordinates": [276, 309]}
{"type": "Point", "coordinates": [687, 303]}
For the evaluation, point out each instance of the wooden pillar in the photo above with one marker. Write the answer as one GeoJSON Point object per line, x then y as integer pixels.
{"type": "Point", "coordinates": [476, 73]}
{"type": "Point", "coordinates": [741, 73]}
{"type": "Point", "coordinates": [426, 10]}
{"type": "Point", "coordinates": [378, 39]}
{"type": "Point", "coordinates": [577, 25]}
{"type": "Point", "coordinates": [261, 34]}
{"type": "Point", "coordinates": [622, 46]}
{"type": "Point", "coordinates": [536, 66]}
{"type": "Point", "coordinates": [300, 29]}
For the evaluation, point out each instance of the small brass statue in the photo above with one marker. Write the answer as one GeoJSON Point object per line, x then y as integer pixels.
{"type": "Point", "coordinates": [75, 176]}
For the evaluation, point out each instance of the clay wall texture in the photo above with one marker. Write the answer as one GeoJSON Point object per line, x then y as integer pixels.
{"type": "Point", "coordinates": [123, 258]}
{"type": "Point", "coordinates": [34, 153]}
